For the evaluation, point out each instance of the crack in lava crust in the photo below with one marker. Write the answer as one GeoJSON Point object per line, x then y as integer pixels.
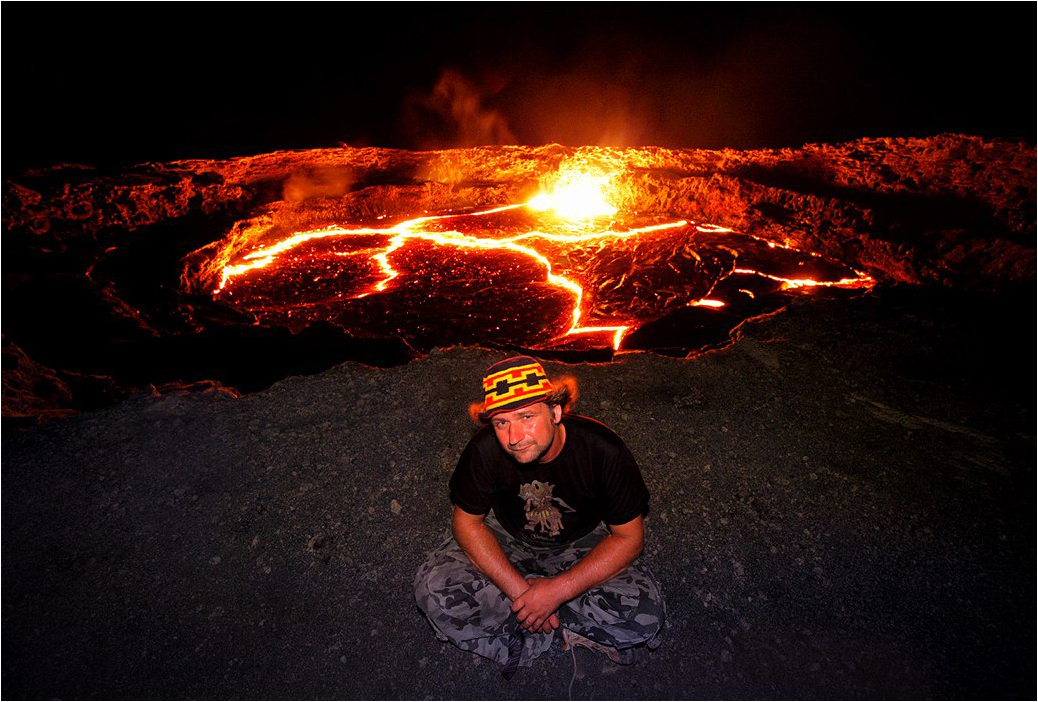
{"type": "Point", "coordinates": [517, 274]}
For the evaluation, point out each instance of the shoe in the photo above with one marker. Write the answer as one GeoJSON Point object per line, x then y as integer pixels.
{"type": "Point", "coordinates": [571, 639]}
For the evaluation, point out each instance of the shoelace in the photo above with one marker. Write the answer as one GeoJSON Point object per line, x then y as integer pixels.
{"type": "Point", "coordinates": [515, 649]}
{"type": "Point", "coordinates": [569, 690]}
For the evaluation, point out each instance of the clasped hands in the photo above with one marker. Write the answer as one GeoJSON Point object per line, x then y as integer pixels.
{"type": "Point", "coordinates": [536, 608]}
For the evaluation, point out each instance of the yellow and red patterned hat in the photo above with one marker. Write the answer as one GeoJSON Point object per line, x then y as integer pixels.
{"type": "Point", "coordinates": [512, 384]}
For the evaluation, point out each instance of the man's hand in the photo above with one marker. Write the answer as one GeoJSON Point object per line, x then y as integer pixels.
{"type": "Point", "coordinates": [536, 608]}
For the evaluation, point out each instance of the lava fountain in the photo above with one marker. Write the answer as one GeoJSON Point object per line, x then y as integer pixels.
{"type": "Point", "coordinates": [566, 269]}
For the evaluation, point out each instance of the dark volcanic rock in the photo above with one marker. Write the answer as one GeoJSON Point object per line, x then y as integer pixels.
{"type": "Point", "coordinates": [843, 506]}
{"type": "Point", "coordinates": [35, 393]}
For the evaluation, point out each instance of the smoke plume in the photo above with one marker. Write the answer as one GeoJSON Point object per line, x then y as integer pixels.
{"type": "Point", "coordinates": [454, 114]}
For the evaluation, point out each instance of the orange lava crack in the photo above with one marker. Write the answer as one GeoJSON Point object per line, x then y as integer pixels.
{"type": "Point", "coordinates": [410, 229]}
{"type": "Point", "coordinates": [413, 229]}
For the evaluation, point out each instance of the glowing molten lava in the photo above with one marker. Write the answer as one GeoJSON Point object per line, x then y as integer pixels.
{"type": "Point", "coordinates": [575, 195]}
{"type": "Point", "coordinates": [564, 264]}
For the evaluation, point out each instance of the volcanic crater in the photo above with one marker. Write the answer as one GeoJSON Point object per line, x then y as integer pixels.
{"type": "Point", "coordinates": [225, 276]}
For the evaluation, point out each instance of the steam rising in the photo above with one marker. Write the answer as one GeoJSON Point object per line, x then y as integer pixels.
{"type": "Point", "coordinates": [453, 114]}
{"type": "Point", "coordinates": [323, 182]}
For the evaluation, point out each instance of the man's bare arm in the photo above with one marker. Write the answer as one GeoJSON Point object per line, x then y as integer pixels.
{"type": "Point", "coordinates": [486, 553]}
{"type": "Point", "coordinates": [606, 560]}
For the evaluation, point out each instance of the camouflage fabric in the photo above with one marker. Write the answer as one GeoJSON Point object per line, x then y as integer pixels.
{"type": "Point", "coordinates": [466, 608]}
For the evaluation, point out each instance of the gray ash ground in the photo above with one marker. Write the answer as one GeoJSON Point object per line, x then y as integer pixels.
{"type": "Point", "coordinates": [843, 507]}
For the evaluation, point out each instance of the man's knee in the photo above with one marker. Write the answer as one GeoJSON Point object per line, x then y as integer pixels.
{"type": "Point", "coordinates": [632, 600]}
{"type": "Point", "coordinates": [448, 584]}
{"type": "Point", "coordinates": [423, 588]}
{"type": "Point", "coordinates": [437, 575]}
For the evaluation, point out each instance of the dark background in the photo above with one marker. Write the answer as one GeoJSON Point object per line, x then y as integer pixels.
{"type": "Point", "coordinates": [111, 84]}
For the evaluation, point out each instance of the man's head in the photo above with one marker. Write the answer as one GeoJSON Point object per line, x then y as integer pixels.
{"type": "Point", "coordinates": [530, 434]}
{"type": "Point", "coordinates": [524, 408]}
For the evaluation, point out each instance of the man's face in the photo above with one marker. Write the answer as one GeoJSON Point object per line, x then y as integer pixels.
{"type": "Point", "coordinates": [528, 434]}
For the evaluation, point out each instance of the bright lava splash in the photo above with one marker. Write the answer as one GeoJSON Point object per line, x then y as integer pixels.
{"type": "Point", "coordinates": [564, 270]}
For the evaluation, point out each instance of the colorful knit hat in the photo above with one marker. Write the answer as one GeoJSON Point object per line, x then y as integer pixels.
{"type": "Point", "coordinates": [512, 384]}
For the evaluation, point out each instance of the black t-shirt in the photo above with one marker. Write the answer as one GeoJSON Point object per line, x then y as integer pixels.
{"type": "Point", "coordinates": [594, 479]}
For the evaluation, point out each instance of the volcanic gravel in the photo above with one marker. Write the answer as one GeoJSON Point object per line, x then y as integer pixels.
{"type": "Point", "coordinates": [843, 506]}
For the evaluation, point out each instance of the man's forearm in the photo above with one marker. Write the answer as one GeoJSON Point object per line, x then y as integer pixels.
{"type": "Point", "coordinates": [606, 560]}
{"type": "Point", "coordinates": [479, 544]}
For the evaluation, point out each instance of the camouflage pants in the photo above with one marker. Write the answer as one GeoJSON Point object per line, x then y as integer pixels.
{"type": "Point", "coordinates": [467, 609]}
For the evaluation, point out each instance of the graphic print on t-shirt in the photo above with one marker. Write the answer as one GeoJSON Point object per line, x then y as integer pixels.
{"type": "Point", "coordinates": [540, 512]}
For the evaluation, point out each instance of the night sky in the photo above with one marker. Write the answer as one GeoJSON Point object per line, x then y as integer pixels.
{"type": "Point", "coordinates": [126, 83]}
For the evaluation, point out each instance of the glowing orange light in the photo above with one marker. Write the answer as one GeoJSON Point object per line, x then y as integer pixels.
{"type": "Point", "coordinates": [862, 281]}
{"type": "Point", "coordinates": [576, 194]}
{"type": "Point", "coordinates": [264, 257]}
{"type": "Point", "coordinates": [574, 197]}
